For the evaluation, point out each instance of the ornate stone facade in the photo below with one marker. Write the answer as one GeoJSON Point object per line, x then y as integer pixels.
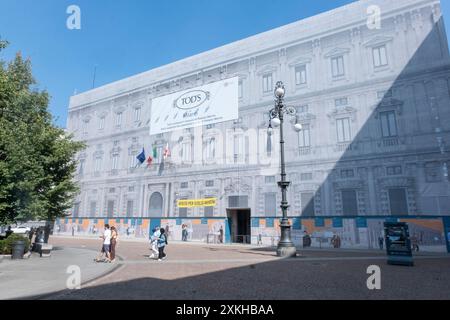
{"type": "Point", "coordinates": [374, 104]}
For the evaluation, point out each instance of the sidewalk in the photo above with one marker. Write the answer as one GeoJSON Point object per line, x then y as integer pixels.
{"type": "Point", "coordinates": [22, 279]}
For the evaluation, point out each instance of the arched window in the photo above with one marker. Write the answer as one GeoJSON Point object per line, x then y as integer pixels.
{"type": "Point", "coordinates": [156, 205]}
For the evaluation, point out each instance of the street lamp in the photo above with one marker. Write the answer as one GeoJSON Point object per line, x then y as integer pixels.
{"type": "Point", "coordinates": [286, 247]}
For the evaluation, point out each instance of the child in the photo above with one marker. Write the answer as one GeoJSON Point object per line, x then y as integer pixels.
{"type": "Point", "coordinates": [154, 242]}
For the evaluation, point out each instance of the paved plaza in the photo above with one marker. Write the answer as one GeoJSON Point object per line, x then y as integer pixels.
{"type": "Point", "coordinates": [201, 271]}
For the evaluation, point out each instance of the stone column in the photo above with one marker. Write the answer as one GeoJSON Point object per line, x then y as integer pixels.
{"type": "Point", "coordinates": [319, 77]}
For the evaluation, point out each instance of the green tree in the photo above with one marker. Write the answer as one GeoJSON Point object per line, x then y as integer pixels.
{"type": "Point", "coordinates": [37, 159]}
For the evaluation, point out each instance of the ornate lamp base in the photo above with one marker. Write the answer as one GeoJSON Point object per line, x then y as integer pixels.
{"type": "Point", "coordinates": [286, 247]}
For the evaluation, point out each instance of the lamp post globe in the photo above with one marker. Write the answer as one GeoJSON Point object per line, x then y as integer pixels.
{"type": "Point", "coordinates": [275, 122]}
{"type": "Point", "coordinates": [298, 127]}
{"type": "Point", "coordinates": [279, 92]}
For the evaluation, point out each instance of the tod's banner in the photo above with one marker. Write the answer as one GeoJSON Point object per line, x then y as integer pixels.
{"type": "Point", "coordinates": [212, 103]}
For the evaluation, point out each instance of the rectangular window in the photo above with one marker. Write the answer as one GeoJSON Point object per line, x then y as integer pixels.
{"type": "Point", "coordinates": [238, 201]}
{"type": "Point", "coordinates": [110, 209]}
{"type": "Point", "coordinates": [379, 56]}
{"type": "Point", "coordinates": [137, 114]}
{"type": "Point", "coordinates": [85, 126]}
{"type": "Point", "coordinates": [304, 138]}
{"type": "Point", "coordinates": [341, 102]}
{"type": "Point", "coordinates": [209, 211]}
{"type": "Point", "coordinates": [118, 119]}
{"type": "Point", "coordinates": [270, 207]}
{"type": "Point", "coordinates": [186, 152]}
{"type": "Point", "coordinates": [211, 148]}
{"type": "Point", "coordinates": [270, 179]}
{"type": "Point", "coordinates": [93, 209]}
{"type": "Point", "coordinates": [238, 148]}
{"type": "Point", "coordinates": [132, 161]}
{"type": "Point", "coordinates": [303, 109]}
{"type": "Point", "coordinates": [159, 153]}
{"type": "Point", "coordinates": [209, 183]}
{"type": "Point", "coordinates": [184, 185]}
{"type": "Point", "coordinates": [337, 66]}
{"type": "Point", "coordinates": [300, 75]}
{"type": "Point", "coordinates": [343, 130]}
{"type": "Point", "coordinates": [267, 83]}
{"type": "Point", "coordinates": [347, 173]}
{"type": "Point", "coordinates": [398, 201]}
{"type": "Point", "coordinates": [98, 165]}
{"type": "Point", "coordinates": [394, 170]}
{"type": "Point", "coordinates": [81, 168]}
{"type": "Point", "coordinates": [308, 176]}
{"type": "Point", "coordinates": [307, 202]}
{"type": "Point", "coordinates": [241, 89]}
{"type": "Point", "coordinates": [115, 162]}
{"type": "Point", "coordinates": [349, 202]}
{"type": "Point", "coordinates": [388, 124]}
{"type": "Point", "coordinates": [130, 208]}
{"type": "Point", "coordinates": [101, 123]}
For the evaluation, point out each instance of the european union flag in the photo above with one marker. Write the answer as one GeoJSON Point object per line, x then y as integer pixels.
{"type": "Point", "coordinates": [141, 157]}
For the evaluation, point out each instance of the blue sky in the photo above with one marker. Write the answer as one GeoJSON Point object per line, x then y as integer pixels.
{"type": "Point", "coordinates": [123, 38]}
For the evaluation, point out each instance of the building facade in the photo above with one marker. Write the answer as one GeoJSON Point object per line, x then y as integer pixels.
{"type": "Point", "coordinates": [373, 99]}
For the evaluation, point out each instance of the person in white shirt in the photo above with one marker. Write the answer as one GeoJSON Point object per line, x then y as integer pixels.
{"type": "Point", "coordinates": [107, 241]}
{"type": "Point", "coordinates": [154, 242]}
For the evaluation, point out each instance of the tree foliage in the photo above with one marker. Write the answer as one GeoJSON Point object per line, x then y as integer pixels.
{"type": "Point", "coordinates": [37, 159]}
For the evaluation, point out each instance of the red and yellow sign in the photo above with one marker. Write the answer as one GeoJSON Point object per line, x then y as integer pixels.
{"type": "Point", "coordinates": [194, 203]}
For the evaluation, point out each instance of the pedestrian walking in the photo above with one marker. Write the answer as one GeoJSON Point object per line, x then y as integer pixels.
{"type": "Point", "coordinates": [306, 240]}
{"type": "Point", "coordinates": [154, 243]}
{"type": "Point", "coordinates": [167, 231]}
{"type": "Point", "coordinates": [114, 236]}
{"type": "Point", "coordinates": [104, 255]}
{"type": "Point", "coordinates": [221, 235]}
{"type": "Point", "coordinates": [162, 242]}
{"type": "Point", "coordinates": [184, 233]}
{"type": "Point", "coordinates": [415, 243]}
{"type": "Point", "coordinates": [381, 242]}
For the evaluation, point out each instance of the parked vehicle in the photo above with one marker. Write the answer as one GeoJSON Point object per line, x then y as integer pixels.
{"type": "Point", "coordinates": [21, 230]}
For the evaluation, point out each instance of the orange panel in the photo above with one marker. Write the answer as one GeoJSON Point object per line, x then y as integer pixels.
{"type": "Point", "coordinates": [262, 223]}
{"type": "Point", "coordinates": [328, 223]}
{"type": "Point", "coordinates": [86, 223]}
{"type": "Point", "coordinates": [435, 224]}
{"type": "Point", "coordinates": [309, 225]}
{"type": "Point", "coordinates": [196, 221]}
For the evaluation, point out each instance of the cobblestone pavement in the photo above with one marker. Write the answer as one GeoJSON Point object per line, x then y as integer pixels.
{"type": "Point", "coordinates": [200, 271]}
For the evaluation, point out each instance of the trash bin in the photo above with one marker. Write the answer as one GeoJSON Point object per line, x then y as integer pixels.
{"type": "Point", "coordinates": [18, 249]}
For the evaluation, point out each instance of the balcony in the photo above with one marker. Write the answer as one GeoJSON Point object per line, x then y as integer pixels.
{"type": "Point", "coordinates": [304, 151]}
{"type": "Point", "coordinates": [390, 142]}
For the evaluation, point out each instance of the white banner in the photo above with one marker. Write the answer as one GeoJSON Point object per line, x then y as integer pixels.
{"type": "Point", "coordinates": [212, 103]}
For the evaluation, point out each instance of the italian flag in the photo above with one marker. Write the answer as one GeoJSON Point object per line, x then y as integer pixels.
{"type": "Point", "coordinates": [152, 157]}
